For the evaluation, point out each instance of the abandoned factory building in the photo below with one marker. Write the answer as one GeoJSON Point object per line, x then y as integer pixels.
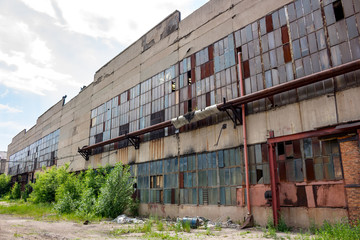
{"type": "Point", "coordinates": [204, 137]}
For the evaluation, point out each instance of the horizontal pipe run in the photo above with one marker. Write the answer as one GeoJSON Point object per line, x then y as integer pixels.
{"type": "Point", "coordinates": [300, 82]}
{"type": "Point", "coordinates": [132, 134]}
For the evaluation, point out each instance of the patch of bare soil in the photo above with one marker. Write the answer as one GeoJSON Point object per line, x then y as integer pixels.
{"type": "Point", "coordinates": [13, 227]}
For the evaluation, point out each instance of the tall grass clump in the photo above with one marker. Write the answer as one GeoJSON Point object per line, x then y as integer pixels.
{"type": "Point", "coordinates": [339, 230]}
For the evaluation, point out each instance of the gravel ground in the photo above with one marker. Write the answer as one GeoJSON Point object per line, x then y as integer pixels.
{"type": "Point", "coordinates": [13, 227]}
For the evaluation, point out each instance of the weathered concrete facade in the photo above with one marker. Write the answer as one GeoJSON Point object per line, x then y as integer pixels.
{"type": "Point", "coordinates": [180, 66]}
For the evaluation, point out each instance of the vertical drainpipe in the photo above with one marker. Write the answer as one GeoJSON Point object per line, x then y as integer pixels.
{"type": "Point", "coordinates": [274, 182]}
{"type": "Point", "coordinates": [244, 136]}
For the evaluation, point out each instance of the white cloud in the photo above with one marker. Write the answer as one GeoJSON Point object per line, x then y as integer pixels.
{"type": "Point", "coordinates": [30, 76]}
{"type": "Point", "coordinates": [12, 125]}
{"type": "Point", "coordinates": [41, 6]}
{"type": "Point", "coordinates": [40, 52]}
{"type": "Point", "coordinates": [4, 94]}
{"type": "Point", "coordinates": [116, 19]}
{"type": "Point", "coordinates": [9, 109]}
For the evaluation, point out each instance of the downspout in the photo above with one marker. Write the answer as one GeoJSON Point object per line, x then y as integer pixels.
{"type": "Point", "coordinates": [244, 137]}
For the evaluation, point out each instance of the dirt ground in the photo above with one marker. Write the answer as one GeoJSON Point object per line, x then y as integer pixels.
{"type": "Point", "coordinates": [13, 227]}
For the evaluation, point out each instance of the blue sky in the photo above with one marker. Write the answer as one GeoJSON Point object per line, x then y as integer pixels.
{"type": "Point", "coordinates": [51, 48]}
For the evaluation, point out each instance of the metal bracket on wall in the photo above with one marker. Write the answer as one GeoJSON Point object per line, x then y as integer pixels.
{"type": "Point", "coordinates": [84, 153]}
{"type": "Point", "coordinates": [236, 113]}
{"type": "Point", "coordinates": [135, 141]}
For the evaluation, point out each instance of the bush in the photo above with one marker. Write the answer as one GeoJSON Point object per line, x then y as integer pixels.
{"type": "Point", "coordinates": [68, 194]}
{"type": "Point", "coordinates": [134, 207]}
{"type": "Point", "coordinates": [47, 182]}
{"type": "Point", "coordinates": [25, 194]}
{"type": "Point", "coordinates": [5, 185]}
{"type": "Point", "coordinates": [16, 191]}
{"type": "Point", "coordinates": [115, 195]}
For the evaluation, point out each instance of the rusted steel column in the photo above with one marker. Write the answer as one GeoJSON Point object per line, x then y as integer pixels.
{"type": "Point", "coordinates": [244, 138]}
{"type": "Point", "coordinates": [274, 181]}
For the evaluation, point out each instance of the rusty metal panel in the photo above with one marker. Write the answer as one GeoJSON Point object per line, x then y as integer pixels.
{"type": "Point", "coordinates": [284, 34]}
{"type": "Point", "coordinates": [282, 171]}
{"type": "Point", "coordinates": [301, 196]}
{"type": "Point", "coordinates": [289, 150]}
{"type": "Point", "coordinates": [264, 153]}
{"type": "Point", "coordinates": [181, 180]}
{"type": "Point", "coordinates": [287, 53]}
{"type": "Point", "coordinates": [325, 195]}
{"type": "Point", "coordinates": [310, 174]}
{"type": "Point", "coordinates": [269, 23]}
{"type": "Point", "coordinates": [299, 175]}
{"type": "Point", "coordinates": [337, 167]}
{"type": "Point", "coordinates": [297, 149]}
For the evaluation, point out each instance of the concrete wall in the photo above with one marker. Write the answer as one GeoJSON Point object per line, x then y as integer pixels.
{"type": "Point", "coordinates": [166, 44]}
{"type": "Point", "coordinates": [294, 217]}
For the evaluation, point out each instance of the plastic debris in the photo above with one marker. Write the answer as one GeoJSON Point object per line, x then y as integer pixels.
{"type": "Point", "coordinates": [123, 219]}
{"type": "Point", "coordinates": [194, 221]}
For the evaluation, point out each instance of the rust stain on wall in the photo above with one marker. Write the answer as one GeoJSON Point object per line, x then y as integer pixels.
{"type": "Point", "coordinates": [156, 149]}
{"type": "Point", "coordinates": [288, 194]}
{"type": "Point", "coordinates": [257, 195]}
{"type": "Point", "coordinates": [97, 160]}
{"type": "Point", "coordinates": [330, 195]}
{"type": "Point", "coordinates": [123, 155]}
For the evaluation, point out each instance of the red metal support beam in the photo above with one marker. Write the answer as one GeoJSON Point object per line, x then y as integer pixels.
{"type": "Point", "coordinates": [247, 180]}
{"type": "Point", "coordinates": [274, 181]}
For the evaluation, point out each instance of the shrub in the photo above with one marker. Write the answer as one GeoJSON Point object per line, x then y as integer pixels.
{"type": "Point", "coordinates": [47, 182]}
{"type": "Point", "coordinates": [68, 194]}
{"type": "Point", "coordinates": [25, 194]}
{"type": "Point", "coordinates": [115, 195]}
{"type": "Point", "coordinates": [16, 191]}
{"type": "Point", "coordinates": [134, 207]}
{"type": "Point", "coordinates": [5, 185]}
{"type": "Point", "coordinates": [87, 202]}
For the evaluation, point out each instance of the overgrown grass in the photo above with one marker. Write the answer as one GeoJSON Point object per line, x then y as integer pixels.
{"type": "Point", "coordinates": [218, 227]}
{"type": "Point", "coordinates": [161, 235]}
{"type": "Point", "coordinates": [41, 211]}
{"type": "Point", "coordinates": [27, 209]}
{"type": "Point", "coordinates": [339, 230]}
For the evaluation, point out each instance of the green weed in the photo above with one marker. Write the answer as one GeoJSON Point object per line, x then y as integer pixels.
{"type": "Point", "coordinates": [17, 235]}
{"type": "Point", "coordinates": [208, 232]}
{"type": "Point", "coordinates": [160, 226]}
{"type": "Point", "coordinates": [185, 226]}
{"type": "Point", "coordinates": [339, 230]}
{"type": "Point", "coordinates": [217, 227]}
{"type": "Point", "coordinates": [162, 235]}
